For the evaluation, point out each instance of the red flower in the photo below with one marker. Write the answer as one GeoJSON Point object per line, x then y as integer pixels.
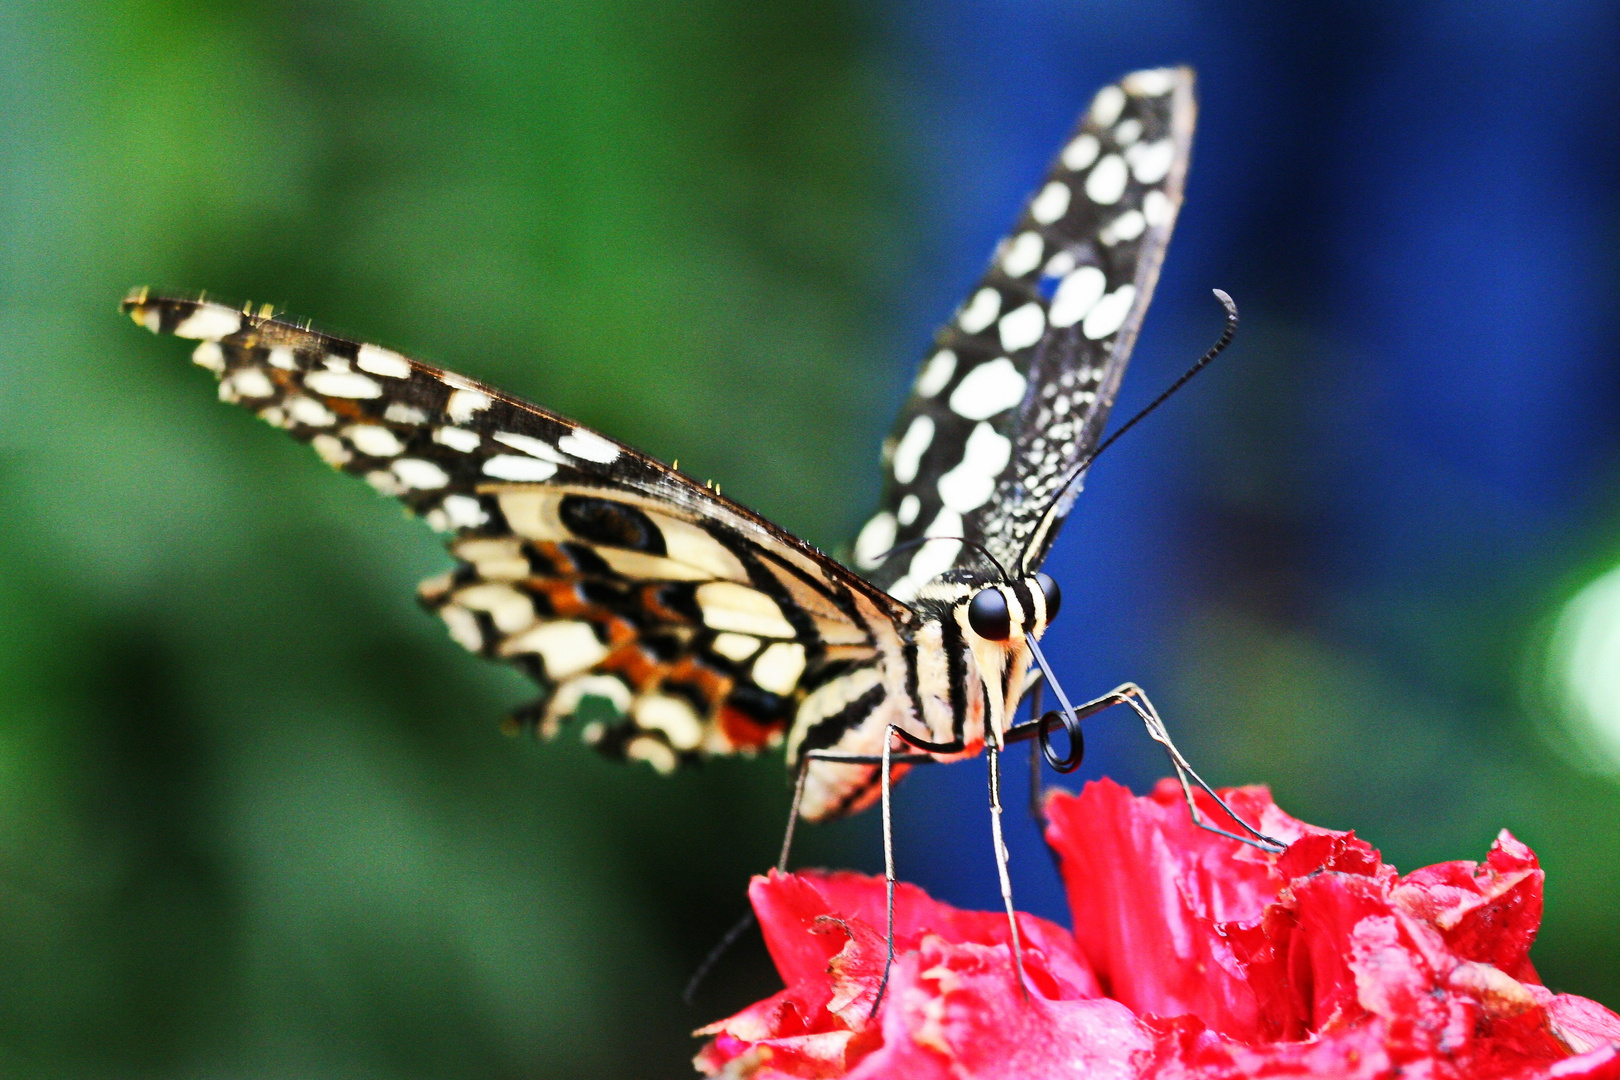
{"type": "Point", "coordinates": [1192, 957]}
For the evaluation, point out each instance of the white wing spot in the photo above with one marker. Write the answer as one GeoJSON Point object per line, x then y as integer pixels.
{"type": "Point", "coordinates": [1023, 254]}
{"type": "Point", "coordinates": [566, 647]}
{"type": "Point", "coordinates": [1110, 312]}
{"type": "Point", "coordinates": [652, 751]}
{"type": "Point", "coordinates": [1128, 132]}
{"type": "Point", "coordinates": [589, 446]}
{"type": "Point", "coordinates": [1157, 208]}
{"type": "Point", "coordinates": [981, 311]}
{"type": "Point", "coordinates": [512, 467]}
{"type": "Point", "coordinates": [463, 404]}
{"type": "Point", "coordinates": [310, 413]}
{"type": "Point", "coordinates": [1076, 294]}
{"type": "Point", "coordinates": [1059, 264]}
{"type": "Point", "coordinates": [336, 363]}
{"type": "Point", "coordinates": [909, 508]}
{"type": "Point", "coordinates": [1022, 327]}
{"type": "Point", "coordinates": [936, 373]}
{"type": "Point", "coordinates": [464, 511]}
{"type": "Point", "coordinates": [727, 605]}
{"type": "Point", "coordinates": [1128, 226]}
{"type": "Point", "coordinates": [672, 716]}
{"type": "Point", "coordinates": [420, 474]}
{"type": "Point", "coordinates": [530, 445]}
{"type": "Point", "coordinates": [988, 389]}
{"type": "Point", "coordinates": [401, 413]}
{"type": "Point", "coordinates": [779, 667]}
{"type": "Point", "coordinates": [1152, 82]}
{"type": "Point", "coordinates": [1081, 152]}
{"type": "Point", "coordinates": [568, 695]}
{"type": "Point", "coordinates": [373, 440]}
{"type": "Point", "coordinates": [210, 356]}
{"type": "Point", "coordinates": [1150, 162]}
{"type": "Point", "coordinates": [332, 450]}
{"type": "Point", "coordinates": [463, 627]}
{"type": "Point", "coordinates": [209, 321]}
{"type": "Point", "coordinates": [1107, 105]}
{"type": "Point", "coordinates": [458, 439]}
{"type": "Point", "coordinates": [1106, 183]}
{"type": "Point", "coordinates": [283, 358]}
{"type": "Point", "coordinates": [913, 444]}
{"type": "Point", "coordinates": [254, 383]}
{"type": "Point", "coordinates": [1051, 204]}
{"type": "Point", "coordinates": [385, 482]}
{"type": "Point", "coordinates": [507, 608]}
{"type": "Point", "coordinates": [735, 647]}
{"type": "Point", "coordinates": [970, 485]}
{"type": "Point", "coordinates": [383, 362]}
{"type": "Point", "coordinates": [342, 384]}
{"type": "Point", "coordinates": [874, 541]}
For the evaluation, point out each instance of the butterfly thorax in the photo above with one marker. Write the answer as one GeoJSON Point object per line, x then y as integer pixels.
{"type": "Point", "coordinates": [954, 685]}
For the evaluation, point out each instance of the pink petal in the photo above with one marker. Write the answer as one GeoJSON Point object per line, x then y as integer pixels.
{"type": "Point", "coordinates": [956, 1012]}
{"type": "Point", "coordinates": [1151, 892]}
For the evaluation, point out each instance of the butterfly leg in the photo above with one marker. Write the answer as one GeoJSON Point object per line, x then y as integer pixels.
{"type": "Point", "coordinates": [888, 869]}
{"type": "Point", "coordinates": [885, 763]}
{"type": "Point", "coordinates": [1132, 695]}
{"type": "Point", "coordinates": [993, 757]}
{"type": "Point", "coordinates": [744, 924]}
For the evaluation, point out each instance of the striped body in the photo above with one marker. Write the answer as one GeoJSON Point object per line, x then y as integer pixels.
{"type": "Point", "coordinates": [695, 625]}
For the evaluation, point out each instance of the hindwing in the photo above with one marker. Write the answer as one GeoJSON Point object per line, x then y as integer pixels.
{"type": "Point", "coordinates": [1017, 388]}
{"type": "Point", "coordinates": [599, 571]}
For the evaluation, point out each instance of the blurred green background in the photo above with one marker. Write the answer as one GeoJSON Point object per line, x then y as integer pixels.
{"type": "Point", "coordinates": [255, 818]}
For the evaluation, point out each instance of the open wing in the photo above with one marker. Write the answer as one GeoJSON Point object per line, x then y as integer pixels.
{"type": "Point", "coordinates": [601, 572]}
{"type": "Point", "coordinates": [1017, 388]}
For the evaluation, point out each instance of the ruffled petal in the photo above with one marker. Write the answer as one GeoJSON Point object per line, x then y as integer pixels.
{"type": "Point", "coordinates": [1218, 961]}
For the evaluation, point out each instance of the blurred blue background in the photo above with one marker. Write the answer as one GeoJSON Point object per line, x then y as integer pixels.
{"type": "Point", "coordinates": [254, 815]}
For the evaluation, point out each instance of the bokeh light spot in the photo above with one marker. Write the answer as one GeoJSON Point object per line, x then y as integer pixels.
{"type": "Point", "coordinates": [1584, 667]}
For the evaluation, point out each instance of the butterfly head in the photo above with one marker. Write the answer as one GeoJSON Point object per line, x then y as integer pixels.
{"type": "Point", "coordinates": [998, 619]}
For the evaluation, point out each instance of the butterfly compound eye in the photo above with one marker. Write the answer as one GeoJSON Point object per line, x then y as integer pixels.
{"type": "Point", "coordinates": [987, 615]}
{"type": "Point", "coordinates": [1053, 594]}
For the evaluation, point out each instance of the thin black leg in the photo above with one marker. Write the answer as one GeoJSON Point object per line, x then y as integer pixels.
{"type": "Point", "coordinates": [888, 874]}
{"type": "Point", "coordinates": [743, 924]}
{"type": "Point", "coordinates": [1133, 696]}
{"type": "Point", "coordinates": [994, 759]}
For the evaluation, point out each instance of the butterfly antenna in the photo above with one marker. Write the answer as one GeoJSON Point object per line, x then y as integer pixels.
{"type": "Point", "coordinates": [1214, 350]}
{"type": "Point", "coordinates": [921, 540]}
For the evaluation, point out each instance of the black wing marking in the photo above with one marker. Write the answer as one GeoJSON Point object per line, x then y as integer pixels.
{"type": "Point", "coordinates": [598, 570]}
{"type": "Point", "coordinates": [1017, 388]}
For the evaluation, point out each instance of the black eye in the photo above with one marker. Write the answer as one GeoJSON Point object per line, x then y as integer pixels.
{"type": "Point", "coordinates": [987, 615]}
{"type": "Point", "coordinates": [1053, 594]}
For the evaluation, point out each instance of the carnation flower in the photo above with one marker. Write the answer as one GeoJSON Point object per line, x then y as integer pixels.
{"type": "Point", "coordinates": [1192, 956]}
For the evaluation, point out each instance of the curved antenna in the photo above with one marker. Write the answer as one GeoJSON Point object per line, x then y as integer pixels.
{"type": "Point", "coordinates": [1215, 350]}
{"type": "Point", "coordinates": [921, 540]}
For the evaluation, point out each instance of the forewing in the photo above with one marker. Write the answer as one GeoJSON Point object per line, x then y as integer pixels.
{"type": "Point", "coordinates": [603, 573]}
{"type": "Point", "coordinates": [1017, 387]}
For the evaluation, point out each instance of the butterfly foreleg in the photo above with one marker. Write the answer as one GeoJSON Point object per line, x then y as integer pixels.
{"type": "Point", "coordinates": [993, 757]}
{"type": "Point", "coordinates": [1131, 695]}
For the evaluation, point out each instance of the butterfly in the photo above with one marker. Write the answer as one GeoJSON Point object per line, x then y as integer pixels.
{"type": "Point", "coordinates": [704, 628]}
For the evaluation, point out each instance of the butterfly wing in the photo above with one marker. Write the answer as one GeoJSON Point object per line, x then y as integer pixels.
{"type": "Point", "coordinates": [601, 572]}
{"type": "Point", "coordinates": [1017, 388]}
